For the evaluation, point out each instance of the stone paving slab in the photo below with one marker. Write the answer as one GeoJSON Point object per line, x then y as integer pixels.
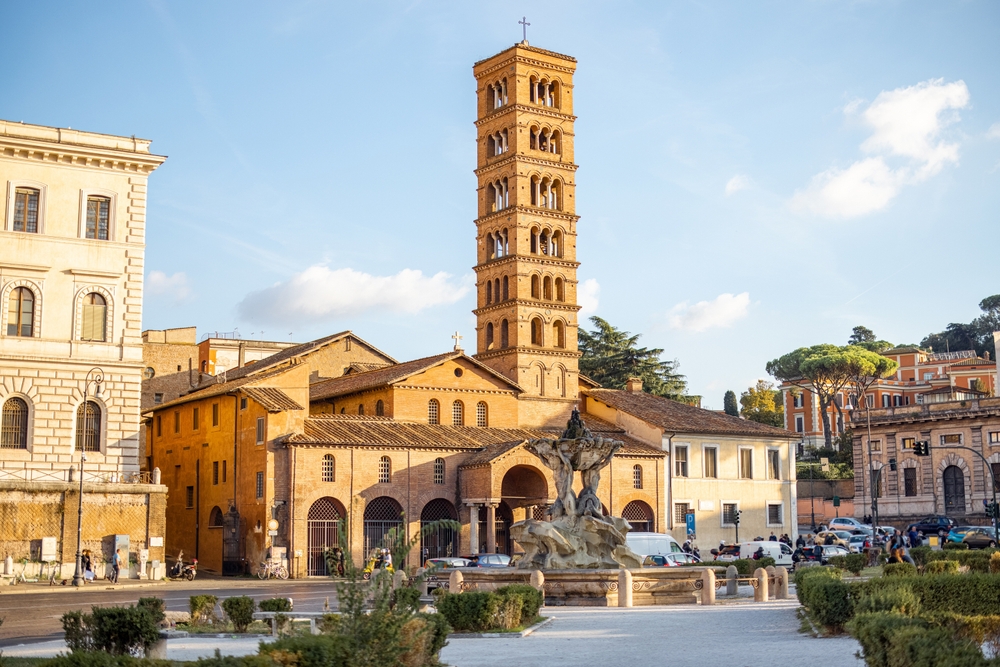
{"type": "Point", "coordinates": [737, 635]}
{"type": "Point", "coordinates": [189, 648]}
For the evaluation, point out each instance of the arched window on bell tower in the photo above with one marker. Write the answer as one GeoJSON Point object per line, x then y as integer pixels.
{"type": "Point", "coordinates": [560, 290]}
{"type": "Point", "coordinates": [536, 331]}
{"type": "Point", "coordinates": [489, 292]}
{"type": "Point", "coordinates": [559, 334]}
{"type": "Point", "coordinates": [489, 336]}
{"type": "Point", "coordinates": [547, 288]}
{"type": "Point", "coordinates": [505, 290]}
{"type": "Point", "coordinates": [536, 289]}
{"type": "Point", "coordinates": [504, 335]}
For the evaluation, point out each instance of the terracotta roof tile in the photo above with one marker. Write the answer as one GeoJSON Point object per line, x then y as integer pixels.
{"type": "Point", "coordinates": [272, 399]}
{"type": "Point", "coordinates": [676, 417]}
{"type": "Point", "coordinates": [219, 388]}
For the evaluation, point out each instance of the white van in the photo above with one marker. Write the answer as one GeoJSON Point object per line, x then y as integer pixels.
{"type": "Point", "coordinates": [779, 551]}
{"type": "Point", "coordinates": [649, 544]}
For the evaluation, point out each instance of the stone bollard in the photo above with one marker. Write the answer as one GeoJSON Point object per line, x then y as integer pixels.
{"type": "Point", "coordinates": [708, 586]}
{"type": "Point", "coordinates": [537, 581]}
{"type": "Point", "coordinates": [772, 582]}
{"type": "Point", "coordinates": [624, 588]}
{"type": "Point", "coordinates": [421, 571]}
{"type": "Point", "coordinates": [158, 649]}
{"type": "Point", "coordinates": [398, 579]}
{"type": "Point", "coordinates": [760, 593]}
{"type": "Point", "coordinates": [732, 586]}
{"type": "Point", "coordinates": [782, 583]}
{"type": "Point", "coordinates": [455, 582]}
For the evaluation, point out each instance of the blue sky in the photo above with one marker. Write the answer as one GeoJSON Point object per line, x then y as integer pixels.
{"type": "Point", "coordinates": [753, 176]}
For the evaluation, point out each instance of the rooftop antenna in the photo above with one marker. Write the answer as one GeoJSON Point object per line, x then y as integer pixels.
{"type": "Point", "coordinates": [524, 28]}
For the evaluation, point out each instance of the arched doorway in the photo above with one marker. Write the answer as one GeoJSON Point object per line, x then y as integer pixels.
{"type": "Point", "coordinates": [381, 515]}
{"type": "Point", "coordinates": [503, 518]}
{"type": "Point", "coordinates": [323, 527]}
{"type": "Point", "coordinates": [954, 490]}
{"type": "Point", "coordinates": [640, 517]}
{"type": "Point", "coordinates": [443, 541]}
{"type": "Point", "coordinates": [524, 486]}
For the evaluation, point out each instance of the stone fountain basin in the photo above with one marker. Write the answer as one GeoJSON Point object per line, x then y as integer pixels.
{"type": "Point", "coordinates": [594, 588]}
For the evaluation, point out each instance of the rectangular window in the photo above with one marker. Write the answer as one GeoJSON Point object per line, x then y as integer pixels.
{"type": "Point", "coordinates": [746, 464]}
{"type": "Point", "coordinates": [876, 445]}
{"type": "Point", "coordinates": [215, 472]}
{"type": "Point", "coordinates": [886, 400]}
{"type": "Point", "coordinates": [928, 376]}
{"type": "Point", "coordinates": [680, 513]}
{"type": "Point", "coordinates": [194, 419]}
{"type": "Point", "coordinates": [243, 403]}
{"type": "Point", "coordinates": [159, 426]}
{"type": "Point", "coordinates": [157, 399]}
{"type": "Point", "coordinates": [910, 481]}
{"type": "Point", "coordinates": [879, 485]}
{"type": "Point", "coordinates": [951, 439]}
{"type": "Point", "coordinates": [995, 437]}
{"type": "Point", "coordinates": [26, 210]}
{"type": "Point", "coordinates": [800, 424]}
{"type": "Point", "coordinates": [177, 421]}
{"type": "Point", "coordinates": [215, 414]}
{"type": "Point", "coordinates": [260, 485]}
{"type": "Point", "coordinates": [260, 430]}
{"type": "Point", "coordinates": [870, 401]}
{"type": "Point", "coordinates": [907, 443]}
{"type": "Point", "coordinates": [798, 400]}
{"type": "Point", "coordinates": [189, 498]}
{"type": "Point", "coordinates": [223, 472]}
{"type": "Point", "coordinates": [711, 462]}
{"type": "Point", "coordinates": [774, 514]}
{"type": "Point", "coordinates": [98, 217]}
{"type": "Point", "coordinates": [773, 464]}
{"type": "Point", "coordinates": [729, 513]}
{"type": "Point", "coordinates": [681, 461]}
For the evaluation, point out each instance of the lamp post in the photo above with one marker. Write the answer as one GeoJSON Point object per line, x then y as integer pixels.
{"type": "Point", "coordinates": [98, 381]}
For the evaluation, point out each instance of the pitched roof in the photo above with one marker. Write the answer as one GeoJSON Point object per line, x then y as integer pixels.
{"type": "Point", "coordinates": [279, 358]}
{"type": "Point", "coordinates": [272, 399]}
{"type": "Point", "coordinates": [220, 388]}
{"type": "Point", "coordinates": [975, 361]}
{"type": "Point", "coordinates": [355, 382]}
{"type": "Point", "coordinates": [676, 417]}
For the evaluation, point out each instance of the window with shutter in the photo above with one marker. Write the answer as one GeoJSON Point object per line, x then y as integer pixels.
{"type": "Point", "coordinates": [95, 311]}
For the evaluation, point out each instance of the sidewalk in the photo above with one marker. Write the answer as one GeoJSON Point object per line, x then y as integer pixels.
{"type": "Point", "coordinates": [97, 585]}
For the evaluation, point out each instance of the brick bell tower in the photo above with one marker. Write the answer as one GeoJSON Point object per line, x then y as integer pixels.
{"type": "Point", "coordinates": [526, 229]}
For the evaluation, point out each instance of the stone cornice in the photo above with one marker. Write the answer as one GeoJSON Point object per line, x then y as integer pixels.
{"type": "Point", "coordinates": [515, 56]}
{"type": "Point", "coordinates": [525, 109]}
{"type": "Point", "coordinates": [73, 155]}
{"type": "Point", "coordinates": [534, 351]}
{"type": "Point", "coordinates": [522, 158]}
{"type": "Point", "coordinates": [543, 260]}
{"type": "Point", "coordinates": [527, 210]}
{"type": "Point", "coordinates": [549, 305]}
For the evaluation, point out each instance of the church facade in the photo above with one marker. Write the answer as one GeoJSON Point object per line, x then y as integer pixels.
{"type": "Point", "coordinates": [334, 443]}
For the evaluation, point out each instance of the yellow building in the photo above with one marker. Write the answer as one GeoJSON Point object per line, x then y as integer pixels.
{"type": "Point", "coordinates": [72, 244]}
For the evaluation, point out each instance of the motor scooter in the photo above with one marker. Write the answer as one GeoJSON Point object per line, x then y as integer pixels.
{"type": "Point", "coordinates": [182, 571]}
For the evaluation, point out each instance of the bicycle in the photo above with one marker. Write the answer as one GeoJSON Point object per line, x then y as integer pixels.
{"type": "Point", "coordinates": [268, 569]}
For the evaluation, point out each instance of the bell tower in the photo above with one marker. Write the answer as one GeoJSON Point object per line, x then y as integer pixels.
{"type": "Point", "coordinates": [526, 228]}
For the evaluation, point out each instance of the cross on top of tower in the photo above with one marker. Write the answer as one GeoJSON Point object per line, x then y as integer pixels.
{"type": "Point", "coordinates": [524, 27]}
{"type": "Point", "coordinates": [458, 341]}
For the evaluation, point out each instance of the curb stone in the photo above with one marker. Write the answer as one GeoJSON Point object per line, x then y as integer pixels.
{"type": "Point", "coordinates": [502, 635]}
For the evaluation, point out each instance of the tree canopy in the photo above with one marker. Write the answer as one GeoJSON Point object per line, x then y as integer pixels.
{"type": "Point", "coordinates": [976, 335]}
{"type": "Point", "coordinates": [762, 404]}
{"type": "Point", "coordinates": [611, 356]}
{"type": "Point", "coordinates": [864, 337]}
{"type": "Point", "coordinates": [729, 404]}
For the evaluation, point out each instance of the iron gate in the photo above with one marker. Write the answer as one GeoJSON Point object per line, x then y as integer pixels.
{"type": "Point", "coordinates": [443, 541]}
{"type": "Point", "coordinates": [323, 523]}
{"type": "Point", "coordinates": [232, 562]}
{"type": "Point", "coordinates": [381, 516]}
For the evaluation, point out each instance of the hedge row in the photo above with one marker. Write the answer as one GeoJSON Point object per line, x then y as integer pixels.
{"type": "Point", "coordinates": [891, 639]}
{"type": "Point", "coordinates": [976, 561]}
{"type": "Point", "coordinates": [478, 611]}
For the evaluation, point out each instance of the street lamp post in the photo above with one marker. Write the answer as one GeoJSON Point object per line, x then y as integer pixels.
{"type": "Point", "coordinates": [98, 381]}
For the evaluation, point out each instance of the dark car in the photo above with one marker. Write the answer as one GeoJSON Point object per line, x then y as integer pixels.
{"type": "Point", "coordinates": [809, 553]}
{"type": "Point", "coordinates": [932, 525]}
{"type": "Point", "coordinates": [981, 537]}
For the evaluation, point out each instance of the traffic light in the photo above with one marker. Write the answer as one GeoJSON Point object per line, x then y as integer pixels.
{"type": "Point", "coordinates": [922, 448]}
{"type": "Point", "coordinates": [993, 510]}
{"type": "Point", "coordinates": [892, 465]}
{"type": "Point", "coordinates": [736, 517]}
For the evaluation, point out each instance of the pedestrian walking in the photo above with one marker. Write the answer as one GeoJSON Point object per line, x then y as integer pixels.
{"type": "Point", "coordinates": [116, 566]}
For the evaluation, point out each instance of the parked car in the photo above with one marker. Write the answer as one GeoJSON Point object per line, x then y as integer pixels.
{"type": "Point", "coordinates": [981, 537]}
{"type": "Point", "coordinates": [683, 558]}
{"type": "Point", "coordinates": [779, 551]}
{"type": "Point", "coordinates": [444, 563]}
{"type": "Point", "coordinates": [669, 560]}
{"type": "Point", "coordinates": [932, 525]}
{"type": "Point", "coordinates": [439, 570]}
{"type": "Point", "coordinates": [841, 537]}
{"type": "Point", "coordinates": [491, 560]}
{"type": "Point", "coordinates": [727, 553]}
{"type": "Point", "coordinates": [847, 523]}
{"type": "Point", "coordinates": [829, 550]}
{"type": "Point", "coordinates": [648, 544]}
{"type": "Point", "coordinates": [858, 543]}
{"type": "Point", "coordinates": [958, 533]}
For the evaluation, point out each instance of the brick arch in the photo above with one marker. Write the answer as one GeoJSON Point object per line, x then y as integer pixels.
{"type": "Point", "coordinates": [522, 458]}
{"type": "Point", "coordinates": [36, 319]}
{"type": "Point", "coordinates": [623, 499]}
{"type": "Point", "coordinates": [109, 314]}
{"type": "Point", "coordinates": [994, 458]}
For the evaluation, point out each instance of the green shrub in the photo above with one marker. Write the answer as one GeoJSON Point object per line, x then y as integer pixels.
{"type": "Point", "coordinates": [77, 629]}
{"type": "Point", "coordinates": [202, 609]}
{"type": "Point", "coordinates": [330, 624]}
{"type": "Point", "coordinates": [971, 594]}
{"type": "Point", "coordinates": [899, 570]}
{"type": "Point", "coordinates": [829, 602]}
{"type": "Point", "coordinates": [941, 567]}
{"type": "Point", "coordinates": [408, 598]}
{"type": "Point", "coordinates": [155, 607]}
{"type": "Point", "coordinates": [901, 600]}
{"type": "Point", "coordinates": [744, 566]}
{"type": "Point", "coordinates": [101, 659]}
{"type": "Point", "coordinates": [437, 626]}
{"type": "Point", "coordinates": [532, 599]}
{"type": "Point", "coordinates": [995, 562]}
{"type": "Point", "coordinates": [471, 611]}
{"type": "Point", "coordinates": [979, 629]}
{"type": "Point", "coordinates": [219, 660]}
{"type": "Point", "coordinates": [931, 647]}
{"type": "Point", "coordinates": [239, 610]}
{"type": "Point", "coordinates": [276, 604]}
{"type": "Point", "coordinates": [955, 545]}
{"type": "Point", "coordinates": [310, 651]}
{"type": "Point", "coordinates": [873, 631]}
{"type": "Point", "coordinates": [804, 578]}
{"type": "Point", "coordinates": [123, 630]}
{"type": "Point", "coordinates": [921, 555]}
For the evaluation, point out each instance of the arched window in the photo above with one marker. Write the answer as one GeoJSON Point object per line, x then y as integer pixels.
{"type": "Point", "coordinates": [489, 336]}
{"type": "Point", "coordinates": [361, 408]}
{"type": "Point", "coordinates": [534, 230]}
{"type": "Point", "coordinates": [95, 312]}
{"type": "Point", "coordinates": [535, 287]}
{"type": "Point", "coordinates": [482, 414]}
{"type": "Point", "coordinates": [556, 246]}
{"type": "Point", "coordinates": [329, 468]}
{"type": "Point", "coordinates": [547, 288]}
{"type": "Point", "coordinates": [14, 430]}
{"type": "Point", "coordinates": [489, 292]}
{"type": "Point", "coordinates": [21, 313]}
{"type": "Point", "coordinates": [26, 210]}
{"type": "Point", "coordinates": [504, 339]}
{"type": "Point", "coordinates": [379, 408]}
{"type": "Point", "coordinates": [433, 411]}
{"type": "Point", "coordinates": [560, 290]}
{"type": "Point", "coordinates": [536, 331]}
{"type": "Point", "coordinates": [215, 518]}
{"type": "Point", "coordinates": [543, 242]}
{"type": "Point", "coordinates": [204, 366]}
{"type": "Point", "coordinates": [458, 414]}
{"type": "Point", "coordinates": [554, 142]}
{"type": "Point", "coordinates": [384, 470]}
{"type": "Point", "coordinates": [439, 471]}
{"type": "Point", "coordinates": [637, 477]}
{"type": "Point", "coordinates": [505, 297]}
{"type": "Point", "coordinates": [558, 334]}
{"type": "Point", "coordinates": [88, 427]}
{"type": "Point", "coordinates": [533, 137]}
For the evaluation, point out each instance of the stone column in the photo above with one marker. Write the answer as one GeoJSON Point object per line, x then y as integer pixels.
{"type": "Point", "coordinates": [772, 579]}
{"type": "Point", "coordinates": [473, 528]}
{"type": "Point", "coordinates": [732, 586]}
{"type": "Point", "coordinates": [491, 531]}
{"type": "Point", "coordinates": [760, 593]}
{"type": "Point", "coordinates": [782, 583]}
{"type": "Point", "coordinates": [708, 586]}
{"type": "Point", "coordinates": [624, 588]}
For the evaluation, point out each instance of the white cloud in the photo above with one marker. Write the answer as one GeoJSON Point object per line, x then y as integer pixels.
{"type": "Point", "coordinates": [587, 295]}
{"type": "Point", "coordinates": [737, 183]}
{"type": "Point", "coordinates": [906, 125]}
{"type": "Point", "coordinates": [718, 313]}
{"type": "Point", "coordinates": [175, 287]}
{"type": "Point", "coordinates": [320, 293]}
{"type": "Point", "coordinates": [993, 132]}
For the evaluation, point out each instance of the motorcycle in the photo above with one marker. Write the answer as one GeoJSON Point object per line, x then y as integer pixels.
{"type": "Point", "coordinates": [182, 571]}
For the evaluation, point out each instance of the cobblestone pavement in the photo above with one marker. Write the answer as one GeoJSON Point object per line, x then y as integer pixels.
{"type": "Point", "coordinates": [734, 635]}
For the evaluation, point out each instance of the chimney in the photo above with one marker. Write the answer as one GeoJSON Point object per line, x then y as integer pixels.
{"type": "Point", "coordinates": [634, 385]}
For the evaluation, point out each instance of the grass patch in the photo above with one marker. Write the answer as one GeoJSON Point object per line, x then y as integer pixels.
{"type": "Point", "coordinates": [520, 628]}
{"type": "Point", "coordinates": [23, 662]}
